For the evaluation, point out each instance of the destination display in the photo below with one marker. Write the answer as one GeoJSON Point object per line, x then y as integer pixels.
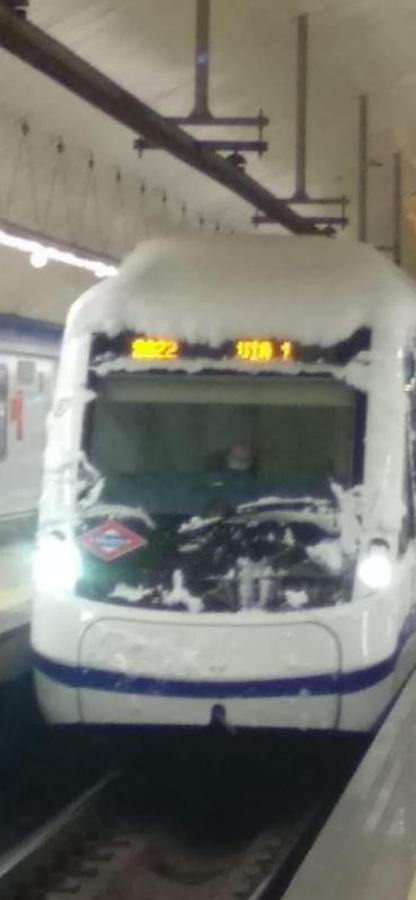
{"type": "Point", "coordinates": [250, 350]}
{"type": "Point", "coordinates": [258, 351]}
{"type": "Point", "coordinates": [154, 348]}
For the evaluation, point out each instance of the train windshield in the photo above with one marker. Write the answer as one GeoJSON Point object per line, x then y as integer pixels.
{"type": "Point", "coordinates": [199, 445]}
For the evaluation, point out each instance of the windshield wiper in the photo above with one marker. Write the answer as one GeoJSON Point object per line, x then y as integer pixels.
{"type": "Point", "coordinates": [305, 510]}
{"type": "Point", "coordinates": [266, 503]}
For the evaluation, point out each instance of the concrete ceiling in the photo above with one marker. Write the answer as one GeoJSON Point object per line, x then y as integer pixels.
{"type": "Point", "coordinates": [355, 47]}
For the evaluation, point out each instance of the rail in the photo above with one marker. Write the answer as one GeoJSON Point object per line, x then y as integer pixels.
{"type": "Point", "coordinates": [32, 861]}
{"type": "Point", "coordinates": [153, 827]}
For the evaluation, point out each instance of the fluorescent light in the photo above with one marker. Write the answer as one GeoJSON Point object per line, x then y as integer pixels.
{"type": "Point", "coordinates": [38, 259]}
{"type": "Point", "coordinates": [41, 253]}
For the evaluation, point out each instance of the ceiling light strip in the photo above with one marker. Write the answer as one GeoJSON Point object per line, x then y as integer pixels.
{"type": "Point", "coordinates": [41, 252]}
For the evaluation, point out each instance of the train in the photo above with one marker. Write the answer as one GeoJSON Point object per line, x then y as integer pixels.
{"type": "Point", "coordinates": [227, 522]}
{"type": "Point", "coordinates": [29, 351]}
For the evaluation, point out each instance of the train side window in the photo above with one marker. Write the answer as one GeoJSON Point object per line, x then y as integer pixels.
{"type": "Point", "coordinates": [408, 529]}
{"type": "Point", "coordinates": [3, 410]}
{"type": "Point", "coordinates": [410, 378]}
{"type": "Point", "coordinates": [26, 373]}
{"type": "Point", "coordinates": [409, 488]}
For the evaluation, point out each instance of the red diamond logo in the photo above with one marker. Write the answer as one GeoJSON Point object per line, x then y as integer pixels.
{"type": "Point", "coordinates": [111, 540]}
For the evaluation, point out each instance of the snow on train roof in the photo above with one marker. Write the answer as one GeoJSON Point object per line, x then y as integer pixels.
{"type": "Point", "coordinates": [211, 288]}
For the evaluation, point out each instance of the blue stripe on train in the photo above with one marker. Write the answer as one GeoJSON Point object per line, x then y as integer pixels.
{"type": "Point", "coordinates": [313, 685]}
{"type": "Point", "coordinates": [119, 682]}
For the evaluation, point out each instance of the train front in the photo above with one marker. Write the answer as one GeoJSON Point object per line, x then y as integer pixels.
{"type": "Point", "coordinates": [205, 505]}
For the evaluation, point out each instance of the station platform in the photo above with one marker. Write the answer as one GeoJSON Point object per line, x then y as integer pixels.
{"type": "Point", "coordinates": [367, 849]}
{"type": "Point", "coordinates": [15, 603]}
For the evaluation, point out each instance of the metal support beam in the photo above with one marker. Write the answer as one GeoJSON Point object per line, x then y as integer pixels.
{"type": "Point", "coordinates": [339, 221]}
{"type": "Point", "coordinates": [258, 122]}
{"type": "Point", "coordinates": [342, 200]}
{"type": "Point", "coordinates": [201, 103]}
{"type": "Point", "coordinates": [362, 167]}
{"type": "Point", "coordinates": [47, 55]}
{"type": "Point", "coordinates": [228, 146]}
{"type": "Point", "coordinates": [301, 106]}
{"type": "Point", "coordinates": [397, 208]}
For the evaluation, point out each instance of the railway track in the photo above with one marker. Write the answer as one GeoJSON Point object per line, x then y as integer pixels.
{"type": "Point", "coordinates": [127, 836]}
{"type": "Point", "coordinates": [31, 865]}
{"type": "Point", "coordinates": [81, 852]}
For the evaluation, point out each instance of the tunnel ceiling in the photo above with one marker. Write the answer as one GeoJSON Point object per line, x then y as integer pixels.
{"type": "Point", "coordinates": [71, 172]}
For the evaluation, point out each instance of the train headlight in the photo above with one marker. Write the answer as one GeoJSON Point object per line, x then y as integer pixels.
{"type": "Point", "coordinates": [56, 564]}
{"type": "Point", "coordinates": [375, 569]}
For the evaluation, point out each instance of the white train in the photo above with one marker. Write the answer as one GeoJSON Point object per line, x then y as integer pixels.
{"type": "Point", "coordinates": [227, 527]}
{"type": "Point", "coordinates": [28, 356]}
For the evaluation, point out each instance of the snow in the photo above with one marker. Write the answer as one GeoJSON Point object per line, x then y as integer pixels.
{"type": "Point", "coordinates": [196, 523]}
{"type": "Point", "coordinates": [296, 599]}
{"type": "Point", "coordinates": [288, 538]}
{"type": "Point", "coordinates": [131, 594]}
{"type": "Point", "coordinates": [194, 366]}
{"type": "Point", "coordinates": [351, 508]}
{"type": "Point", "coordinates": [276, 500]}
{"type": "Point", "coordinates": [117, 511]}
{"type": "Point", "coordinates": [327, 554]}
{"type": "Point", "coordinates": [310, 289]}
{"type": "Point", "coordinates": [328, 520]}
{"type": "Point", "coordinates": [180, 594]}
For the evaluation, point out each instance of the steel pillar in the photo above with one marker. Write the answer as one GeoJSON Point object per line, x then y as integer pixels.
{"type": "Point", "coordinates": [201, 104]}
{"type": "Point", "coordinates": [301, 106]}
{"type": "Point", "coordinates": [362, 168]}
{"type": "Point", "coordinates": [397, 208]}
{"type": "Point", "coordinates": [396, 248]}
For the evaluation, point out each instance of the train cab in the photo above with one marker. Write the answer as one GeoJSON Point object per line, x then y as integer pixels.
{"type": "Point", "coordinates": [227, 520]}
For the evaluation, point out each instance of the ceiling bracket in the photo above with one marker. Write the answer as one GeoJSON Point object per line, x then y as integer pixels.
{"type": "Point", "coordinates": [228, 146]}
{"type": "Point", "coordinates": [300, 195]}
{"type": "Point", "coordinates": [201, 114]}
{"type": "Point", "coordinates": [43, 52]}
{"type": "Point", "coordinates": [331, 221]}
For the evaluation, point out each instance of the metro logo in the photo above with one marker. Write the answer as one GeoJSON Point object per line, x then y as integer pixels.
{"type": "Point", "coordinates": [111, 540]}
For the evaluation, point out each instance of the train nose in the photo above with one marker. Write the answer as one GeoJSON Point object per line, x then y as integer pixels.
{"type": "Point", "coordinates": [188, 671]}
